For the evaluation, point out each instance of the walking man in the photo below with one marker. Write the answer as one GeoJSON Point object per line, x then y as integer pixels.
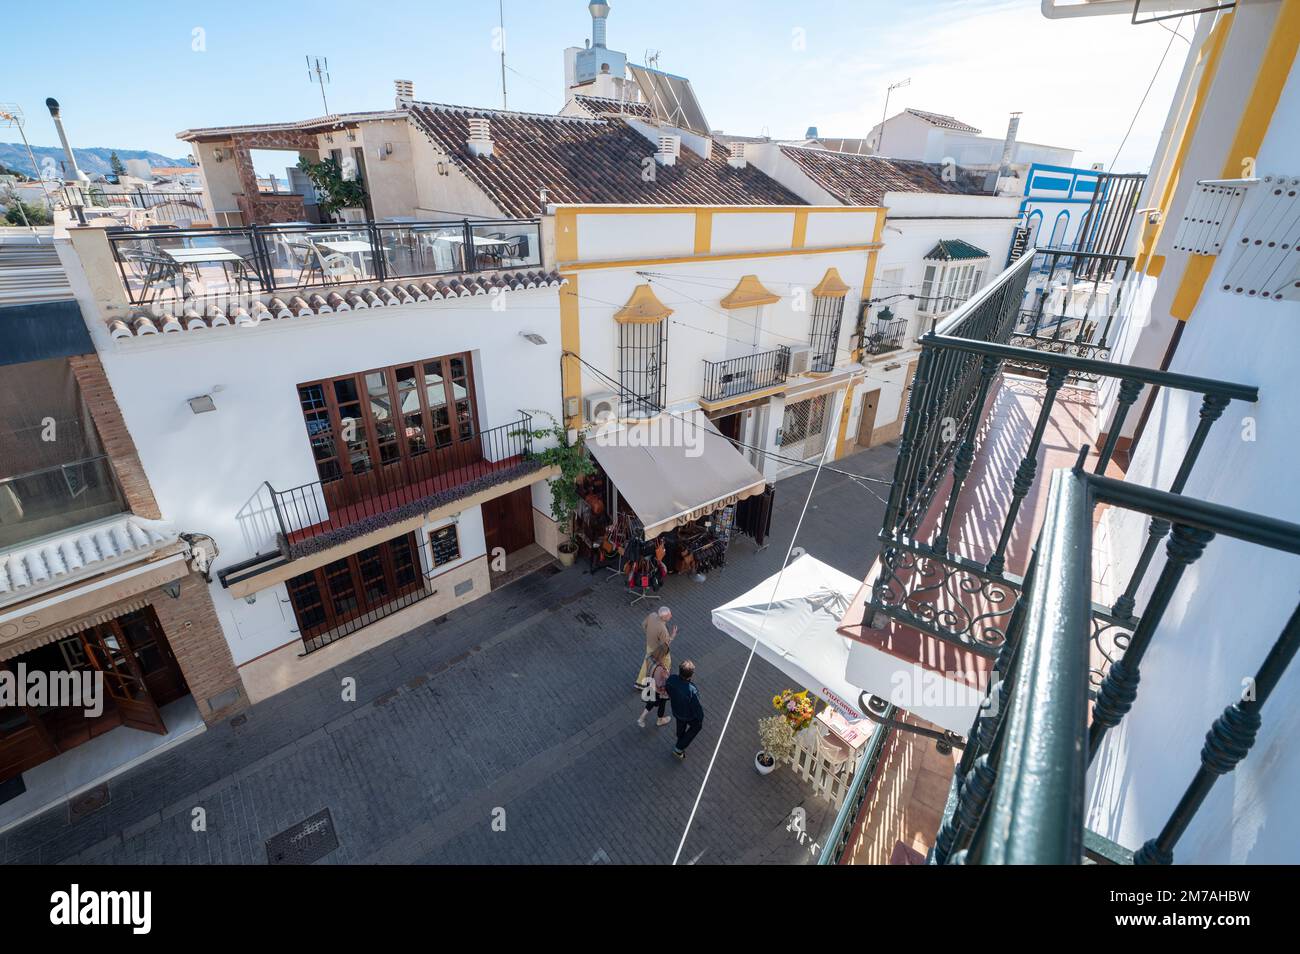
{"type": "Point", "coordinates": [657, 636]}
{"type": "Point", "coordinates": [687, 709]}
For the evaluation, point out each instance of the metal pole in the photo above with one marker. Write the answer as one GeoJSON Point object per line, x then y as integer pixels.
{"type": "Point", "coordinates": [501, 24]}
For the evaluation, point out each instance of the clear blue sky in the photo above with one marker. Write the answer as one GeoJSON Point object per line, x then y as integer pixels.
{"type": "Point", "coordinates": [131, 78]}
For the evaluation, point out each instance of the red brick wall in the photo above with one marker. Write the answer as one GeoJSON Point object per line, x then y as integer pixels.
{"type": "Point", "coordinates": [196, 638]}
{"type": "Point", "coordinates": [118, 445]}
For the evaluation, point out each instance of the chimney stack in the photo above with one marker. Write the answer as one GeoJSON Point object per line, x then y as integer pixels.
{"type": "Point", "coordinates": [670, 148]}
{"type": "Point", "coordinates": [599, 14]}
{"type": "Point", "coordinates": [480, 136]}
{"type": "Point", "coordinates": [1012, 127]}
{"type": "Point", "coordinates": [71, 172]}
{"type": "Point", "coordinates": [737, 159]}
{"type": "Point", "coordinates": [405, 92]}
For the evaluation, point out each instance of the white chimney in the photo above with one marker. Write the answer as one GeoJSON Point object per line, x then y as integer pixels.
{"type": "Point", "coordinates": [1009, 145]}
{"type": "Point", "coordinates": [737, 160]}
{"type": "Point", "coordinates": [599, 14]}
{"type": "Point", "coordinates": [480, 136]}
{"type": "Point", "coordinates": [670, 147]}
{"type": "Point", "coordinates": [405, 92]}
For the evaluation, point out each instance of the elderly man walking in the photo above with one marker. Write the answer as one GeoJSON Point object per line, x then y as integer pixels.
{"type": "Point", "coordinates": [657, 634]}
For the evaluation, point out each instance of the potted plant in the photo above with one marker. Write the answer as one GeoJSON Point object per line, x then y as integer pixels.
{"type": "Point", "coordinates": [334, 192]}
{"type": "Point", "coordinates": [777, 738]}
{"type": "Point", "coordinates": [571, 457]}
{"type": "Point", "coordinates": [797, 708]}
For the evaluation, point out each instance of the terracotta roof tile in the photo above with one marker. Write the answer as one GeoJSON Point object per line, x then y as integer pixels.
{"type": "Point", "coordinates": [943, 121]}
{"type": "Point", "coordinates": [864, 180]}
{"type": "Point", "coordinates": [586, 161]}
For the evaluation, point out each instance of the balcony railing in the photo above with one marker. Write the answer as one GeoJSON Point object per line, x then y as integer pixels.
{"type": "Point", "coordinates": [163, 207]}
{"type": "Point", "coordinates": [54, 499]}
{"type": "Point", "coordinates": [743, 375]}
{"type": "Point", "coordinates": [173, 266]}
{"type": "Point", "coordinates": [885, 336]}
{"type": "Point", "coordinates": [1019, 793]}
{"type": "Point", "coordinates": [371, 495]}
{"type": "Point", "coordinates": [927, 578]}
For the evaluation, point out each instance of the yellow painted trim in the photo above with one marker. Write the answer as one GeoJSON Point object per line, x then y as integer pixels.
{"type": "Point", "coordinates": [745, 398]}
{"type": "Point", "coordinates": [1214, 48]}
{"type": "Point", "coordinates": [844, 420]}
{"type": "Point", "coordinates": [831, 285]}
{"type": "Point", "coordinates": [642, 308]}
{"type": "Point", "coordinates": [868, 280]}
{"type": "Point", "coordinates": [739, 209]}
{"type": "Point", "coordinates": [566, 266]}
{"type": "Point", "coordinates": [800, 236]}
{"type": "Point", "coordinates": [1270, 79]}
{"type": "Point", "coordinates": [748, 293]}
{"type": "Point", "coordinates": [570, 341]}
{"type": "Point", "coordinates": [703, 231]}
{"type": "Point", "coordinates": [566, 235]}
{"type": "Point", "coordinates": [1156, 265]}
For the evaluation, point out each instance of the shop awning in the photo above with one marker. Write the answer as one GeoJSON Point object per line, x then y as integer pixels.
{"type": "Point", "coordinates": [673, 469]}
{"type": "Point", "coordinates": [799, 636]}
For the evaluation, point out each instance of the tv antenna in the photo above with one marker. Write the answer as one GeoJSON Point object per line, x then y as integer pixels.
{"type": "Point", "coordinates": [11, 114]}
{"type": "Point", "coordinates": [652, 58]}
{"type": "Point", "coordinates": [318, 71]}
{"type": "Point", "coordinates": [501, 38]}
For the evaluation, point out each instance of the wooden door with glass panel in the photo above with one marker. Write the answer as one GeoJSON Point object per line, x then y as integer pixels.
{"type": "Point", "coordinates": [109, 651]}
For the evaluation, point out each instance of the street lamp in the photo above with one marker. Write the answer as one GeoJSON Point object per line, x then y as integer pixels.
{"type": "Point", "coordinates": [885, 112]}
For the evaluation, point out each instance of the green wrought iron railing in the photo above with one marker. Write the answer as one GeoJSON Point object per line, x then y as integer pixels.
{"type": "Point", "coordinates": [855, 799]}
{"type": "Point", "coordinates": [1018, 795]}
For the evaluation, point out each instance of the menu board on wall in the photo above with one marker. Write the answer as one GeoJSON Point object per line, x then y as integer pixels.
{"type": "Point", "coordinates": [444, 545]}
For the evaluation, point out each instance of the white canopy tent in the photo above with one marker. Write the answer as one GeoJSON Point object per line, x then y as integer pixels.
{"type": "Point", "coordinates": [801, 638]}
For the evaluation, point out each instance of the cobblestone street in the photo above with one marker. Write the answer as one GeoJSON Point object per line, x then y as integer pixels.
{"type": "Point", "coordinates": [520, 701]}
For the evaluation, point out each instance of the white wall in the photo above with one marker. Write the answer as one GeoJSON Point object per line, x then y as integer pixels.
{"type": "Point", "coordinates": [1234, 601]}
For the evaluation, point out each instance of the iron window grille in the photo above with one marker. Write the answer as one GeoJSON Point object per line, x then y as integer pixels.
{"type": "Point", "coordinates": [642, 367]}
{"type": "Point", "coordinates": [824, 336]}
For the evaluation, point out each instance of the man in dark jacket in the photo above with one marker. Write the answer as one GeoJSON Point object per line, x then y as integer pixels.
{"type": "Point", "coordinates": [687, 710]}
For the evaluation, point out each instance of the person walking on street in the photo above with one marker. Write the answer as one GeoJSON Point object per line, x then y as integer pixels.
{"type": "Point", "coordinates": [657, 634]}
{"type": "Point", "coordinates": [687, 709]}
{"type": "Point", "coordinates": [655, 693]}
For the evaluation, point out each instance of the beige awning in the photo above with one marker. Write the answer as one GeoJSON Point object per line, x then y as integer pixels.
{"type": "Point", "coordinates": [673, 469]}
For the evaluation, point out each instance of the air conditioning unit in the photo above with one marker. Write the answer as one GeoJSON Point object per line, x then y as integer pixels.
{"type": "Point", "coordinates": [601, 407]}
{"type": "Point", "coordinates": [800, 359]}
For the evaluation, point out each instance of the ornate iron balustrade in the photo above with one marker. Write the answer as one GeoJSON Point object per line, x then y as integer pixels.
{"type": "Point", "coordinates": [168, 266]}
{"type": "Point", "coordinates": [323, 513]}
{"type": "Point", "coordinates": [921, 581]}
{"type": "Point", "coordinates": [751, 372]}
{"type": "Point", "coordinates": [1018, 795]}
{"type": "Point", "coordinates": [885, 336]}
{"type": "Point", "coordinates": [1071, 301]}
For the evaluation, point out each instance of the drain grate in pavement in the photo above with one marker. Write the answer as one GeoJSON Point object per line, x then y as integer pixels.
{"type": "Point", "coordinates": [587, 619]}
{"type": "Point", "coordinates": [88, 802]}
{"type": "Point", "coordinates": [308, 841]}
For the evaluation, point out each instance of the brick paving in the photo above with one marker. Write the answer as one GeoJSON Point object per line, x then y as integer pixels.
{"type": "Point", "coordinates": [516, 708]}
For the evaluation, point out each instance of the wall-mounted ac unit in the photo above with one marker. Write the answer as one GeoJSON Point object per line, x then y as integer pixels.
{"type": "Point", "coordinates": [601, 407]}
{"type": "Point", "coordinates": [800, 359]}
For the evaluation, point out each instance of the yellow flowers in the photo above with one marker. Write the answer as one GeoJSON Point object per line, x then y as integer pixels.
{"type": "Point", "coordinates": [797, 707]}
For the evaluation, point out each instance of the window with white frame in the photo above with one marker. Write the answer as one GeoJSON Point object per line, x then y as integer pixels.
{"type": "Point", "coordinates": [945, 285]}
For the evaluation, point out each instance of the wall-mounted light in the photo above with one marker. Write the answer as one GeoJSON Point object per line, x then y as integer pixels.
{"type": "Point", "coordinates": [352, 135]}
{"type": "Point", "coordinates": [173, 589]}
{"type": "Point", "coordinates": [533, 337]}
{"type": "Point", "coordinates": [250, 599]}
{"type": "Point", "coordinates": [202, 404]}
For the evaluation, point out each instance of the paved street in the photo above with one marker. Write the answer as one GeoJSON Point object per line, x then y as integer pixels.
{"type": "Point", "coordinates": [520, 701]}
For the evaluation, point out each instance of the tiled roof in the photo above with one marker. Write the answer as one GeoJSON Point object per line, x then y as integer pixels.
{"type": "Point", "coordinates": [331, 121]}
{"type": "Point", "coordinates": [585, 161]}
{"type": "Point", "coordinates": [864, 180]}
{"type": "Point", "coordinates": [955, 250]}
{"type": "Point", "coordinates": [328, 301]}
{"type": "Point", "coordinates": [597, 106]}
{"type": "Point", "coordinates": [79, 552]}
{"type": "Point", "coordinates": [944, 121]}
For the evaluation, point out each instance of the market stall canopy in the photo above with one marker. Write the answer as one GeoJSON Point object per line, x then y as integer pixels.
{"type": "Point", "coordinates": [797, 632]}
{"type": "Point", "coordinates": [673, 469]}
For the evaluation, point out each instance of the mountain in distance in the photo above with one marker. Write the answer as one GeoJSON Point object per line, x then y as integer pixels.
{"type": "Point", "coordinates": [93, 160]}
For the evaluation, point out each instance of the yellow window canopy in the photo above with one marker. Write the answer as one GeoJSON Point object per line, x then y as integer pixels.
{"type": "Point", "coordinates": [643, 308]}
{"type": "Point", "coordinates": [831, 285]}
{"type": "Point", "coordinates": [748, 293]}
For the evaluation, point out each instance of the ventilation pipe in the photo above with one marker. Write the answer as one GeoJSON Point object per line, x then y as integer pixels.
{"type": "Point", "coordinates": [670, 148]}
{"type": "Point", "coordinates": [737, 159]}
{"type": "Point", "coordinates": [1004, 169]}
{"type": "Point", "coordinates": [405, 92]}
{"type": "Point", "coordinates": [480, 136]}
{"type": "Point", "coordinates": [599, 14]}
{"type": "Point", "coordinates": [71, 172]}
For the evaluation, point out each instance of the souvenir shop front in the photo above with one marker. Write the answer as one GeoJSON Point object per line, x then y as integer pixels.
{"type": "Point", "coordinates": [668, 498]}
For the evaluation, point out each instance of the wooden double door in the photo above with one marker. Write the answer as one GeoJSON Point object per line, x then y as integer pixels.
{"type": "Point", "coordinates": [508, 521]}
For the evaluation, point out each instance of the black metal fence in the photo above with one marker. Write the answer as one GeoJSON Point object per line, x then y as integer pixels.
{"type": "Point", "coordinates": [824, 332]}
{"type": "Point", "coordinates": [882, 337]}
{"type": "Point", "coordinates": [376, 494]}
{"type": "Point", "coordinates": [164, 207]}
{"type": "Point", "coordinates": [1071, 302]}
{"type": "Point", "coordinates": [1021, 784]}
{"type": "Point", "coordinates": [751, 372]}
{"type": "Point", "coordinates": [160, 265]}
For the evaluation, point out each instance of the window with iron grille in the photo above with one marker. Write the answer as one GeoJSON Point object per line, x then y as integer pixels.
{"type": "Point", "coordinates": [803, 427]}
{"type": "Point", "coordinates": [825, 332]}
{"type": "Point", "coordinates": [642, 367]}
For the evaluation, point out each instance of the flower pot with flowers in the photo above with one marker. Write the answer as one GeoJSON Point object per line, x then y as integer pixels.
{"type": "Point", "coordinates": [777, 738]}
{"type": "Point", "coordinates": [798, 708]}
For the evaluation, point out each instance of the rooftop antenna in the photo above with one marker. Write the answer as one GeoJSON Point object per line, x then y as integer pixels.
{"type": "Point", "coordinates": [881, 138]}
{"type": "Point", "coordinates": [318, 71]}
{"type": "Point", "coordinates": [11, 114]}
{"type": "Point", "coordinates": [501, 38]}
{"type": "Point", "coordinates": [652, 58]}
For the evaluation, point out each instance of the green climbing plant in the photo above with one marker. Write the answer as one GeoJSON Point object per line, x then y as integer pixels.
{"type": "Point", "coordinates": [571, 458]}
{"type": "Point", "coordinates": [333, 191]}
